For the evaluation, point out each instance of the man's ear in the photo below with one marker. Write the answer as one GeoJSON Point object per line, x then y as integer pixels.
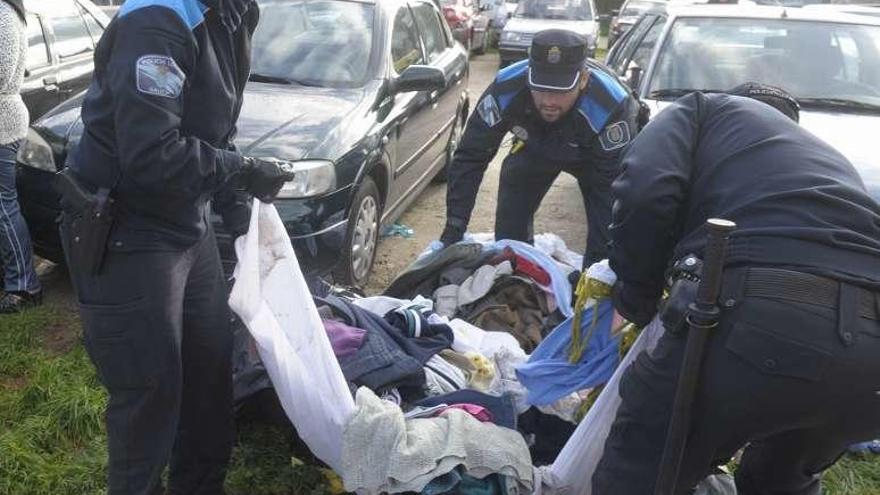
{"type": "Point", "coordinates": [585, 78]}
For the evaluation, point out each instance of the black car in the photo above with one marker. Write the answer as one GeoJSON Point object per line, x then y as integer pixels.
{"type": "Point", "coordinates": [367, 97]}
{"type": "Point", "coordinates": [62, 35]}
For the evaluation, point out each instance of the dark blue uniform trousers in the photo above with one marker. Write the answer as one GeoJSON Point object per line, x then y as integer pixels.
{"type": "Point", "coordinates": [777, 379]}
{"type": "Point", "coordinates": [156, 326]}
{"type": "Point", "coordinates": [524, 182]}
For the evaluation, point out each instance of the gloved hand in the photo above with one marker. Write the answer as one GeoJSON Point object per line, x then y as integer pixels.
{"type": "Point", "coordinates": [451, 235]}
{"type": "Point", "coordinates": [264, 177]}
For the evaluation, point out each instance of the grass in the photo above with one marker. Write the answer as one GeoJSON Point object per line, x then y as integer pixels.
{"type": "Point", "coordinates": [52, 439]}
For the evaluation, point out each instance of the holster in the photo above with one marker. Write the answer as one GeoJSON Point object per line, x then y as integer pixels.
{"type": "Point", "coordinates": [685, 279]}
{"type": "Point", "coordinates": [91, 219]}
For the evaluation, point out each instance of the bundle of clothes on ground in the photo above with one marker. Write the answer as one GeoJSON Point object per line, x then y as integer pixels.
{"type": "Point", "coordinates": [460, 378]}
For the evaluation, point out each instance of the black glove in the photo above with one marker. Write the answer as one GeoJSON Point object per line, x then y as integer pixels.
{"type": "Point", "coordinates": [451, 235]}
{"type": "Point", "coordinates": [264, 177]}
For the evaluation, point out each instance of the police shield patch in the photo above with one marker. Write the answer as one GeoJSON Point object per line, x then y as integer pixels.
{"type": "Point", "coordinates": [489, 111]}
{"type": "Point", "coordinates": [616, 135]}
{"type": "Point", "coordinates": [159, 75]}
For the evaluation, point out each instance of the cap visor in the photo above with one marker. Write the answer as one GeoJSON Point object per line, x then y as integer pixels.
{"type": "Point", "coordinates": [562, 81]}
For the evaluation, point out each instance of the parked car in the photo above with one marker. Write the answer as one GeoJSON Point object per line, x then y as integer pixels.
{"type": "Point", "coordinates": [61, 40]}
{"type": "Point", "coordinates": [369, 100]}
{"type": "Point", "coordinates": [532, 16]}
{"type": "Point", "coordinates": [829, 61]}
{"type": "Point", "coordinates": [468, 24]}
{"type": "Point", "coordinates": [628, 14]}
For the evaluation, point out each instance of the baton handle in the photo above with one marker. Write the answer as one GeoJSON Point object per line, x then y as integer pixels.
{"type": "Point", "coordinates": [713, 261]}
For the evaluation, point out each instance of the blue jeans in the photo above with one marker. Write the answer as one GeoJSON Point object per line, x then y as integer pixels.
{"type": "Point", "coordinates": [15, 240]}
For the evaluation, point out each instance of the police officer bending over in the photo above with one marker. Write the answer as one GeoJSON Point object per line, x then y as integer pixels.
{"type": "Point", "coordinates": [565, 116]}
{"type": "Point", "coordinates": [156, 151]}
{"type": "Point", "coordinates": [791, 370]}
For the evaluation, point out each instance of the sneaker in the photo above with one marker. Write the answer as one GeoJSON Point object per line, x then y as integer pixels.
{"type": "Point", "coordinates": [16, 302]}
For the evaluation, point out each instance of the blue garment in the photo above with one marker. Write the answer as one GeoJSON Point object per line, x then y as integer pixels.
{"type": "Point", "coordinates": [548, 376]}
{"type": "Point", "coordinates": [460, 483]}
{"type": "Point", "coordinates": [15, 240]}
{"type": "Point", "coordinates": [502, 408]}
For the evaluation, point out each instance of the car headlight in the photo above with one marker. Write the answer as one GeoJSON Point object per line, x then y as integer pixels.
{"type": "Point", "coordinates": [35, 152]}
{"type": "Point", "coordinates": [312, 177]}
{"type": "Point", "coordinates": [511, 36]}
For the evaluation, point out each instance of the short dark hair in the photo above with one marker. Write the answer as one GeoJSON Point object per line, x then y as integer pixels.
{"type": "Point", "coordinates": [771, 95]}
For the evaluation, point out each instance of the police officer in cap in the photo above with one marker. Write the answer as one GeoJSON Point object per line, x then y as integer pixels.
{"type": "Point", "coordinates": [159, 122]}
{"type": "Point", "coordinates": [791, 371]}
{"type": "Point", "coordinates": [566, 114]}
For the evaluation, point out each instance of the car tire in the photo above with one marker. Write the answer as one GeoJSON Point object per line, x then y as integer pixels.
{"type": "Point", "coordinates": [362, 236]}
{"type": "Point", "coordinates": [451, 146]}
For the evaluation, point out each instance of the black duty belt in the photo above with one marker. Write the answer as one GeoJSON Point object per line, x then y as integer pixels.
{"type": "Point", "coordinates": [775, 283]}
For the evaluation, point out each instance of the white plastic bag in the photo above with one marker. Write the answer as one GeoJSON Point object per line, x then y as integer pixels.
{"type": "Point", "coordinates": [572, 471]}
{"type": "Point", "coordinates": [271, 297]}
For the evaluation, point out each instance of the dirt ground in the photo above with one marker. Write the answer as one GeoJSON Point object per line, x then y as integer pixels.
{"type": "Point", "coordinates": [562, 211]}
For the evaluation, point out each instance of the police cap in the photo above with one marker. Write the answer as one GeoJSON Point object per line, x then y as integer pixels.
{"type": "Point", "coordinates": [556, 59]}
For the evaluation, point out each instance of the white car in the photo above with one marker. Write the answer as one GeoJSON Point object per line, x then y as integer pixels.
{"type": "Point", "coordinates": [533, 16]}
{"type": "Point", "coordinates": [829, 61]}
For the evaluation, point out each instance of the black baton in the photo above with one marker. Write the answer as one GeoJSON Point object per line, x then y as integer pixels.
{"type": "Point", "coordinates": [702, 317]}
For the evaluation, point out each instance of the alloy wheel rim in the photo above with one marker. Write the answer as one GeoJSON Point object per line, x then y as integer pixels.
{"type": "Point", "coordinates": [363, 244]}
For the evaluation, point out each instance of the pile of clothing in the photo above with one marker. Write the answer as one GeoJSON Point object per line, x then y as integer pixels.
{"type": "Point", "coordinates": [430, 388]}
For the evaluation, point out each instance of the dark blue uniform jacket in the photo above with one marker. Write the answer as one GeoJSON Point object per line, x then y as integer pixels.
{"type": "Point", "coordinates": [798, 203]}
{"type": "Point", "coordinates": [160, 118]}
{"type": "Point", "coordinates": [580, 138]}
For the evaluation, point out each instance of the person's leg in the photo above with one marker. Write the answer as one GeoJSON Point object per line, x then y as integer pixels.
{"type": "Point", "coordinates": [205, 435]}
{"type": "Point", "coordinates": [596, 192]}
{"type": "Point", "coordinates": [132, 314]}
{"type": "Point", "coordinates": [523, 184]}
{"type": "Point", "coordinates": [20, 278]}
{"type": "Point", "coordinates": [770, 367]}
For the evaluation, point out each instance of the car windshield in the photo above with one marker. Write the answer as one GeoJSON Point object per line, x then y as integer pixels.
{"type": "Point", "coordinates": [568, 10]}
{"type": "Point", "coordinates": [820, 63]}
{"type": "Point", "coordinates": [313, 42]}
{"type": "Point", "coordinates": [635, 9]}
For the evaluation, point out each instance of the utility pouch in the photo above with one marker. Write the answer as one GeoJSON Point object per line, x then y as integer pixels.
{"type": "Point", "coordinates": [92, 219]}
{"type": "Point", "coordinates": [685, 280]}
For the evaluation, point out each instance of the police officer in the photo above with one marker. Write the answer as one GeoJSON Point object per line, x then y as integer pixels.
{"type": "Point", "coordinates": [565, 115]}
{"type": "Point", "coordinates": [159, 120]}
{"type": "Point", "coordinates": [791, 370]}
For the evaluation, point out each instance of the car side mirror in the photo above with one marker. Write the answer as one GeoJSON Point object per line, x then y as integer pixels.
{"type": "Point", "coordinates": [419, 78]}
{"type": "Point", "coordinates": [635, 78]}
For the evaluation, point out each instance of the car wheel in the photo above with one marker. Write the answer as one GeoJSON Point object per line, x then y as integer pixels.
{"type": "Point", "coordinates": [451, 146]}
{"type": "Point", "coordinates": [362, 238]}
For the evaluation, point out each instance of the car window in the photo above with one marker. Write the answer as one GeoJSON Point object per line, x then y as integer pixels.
{"type": "Point", "coordinates": [71, 34]}
{"type": "Point", "coordinates": [95, 28]}
{"type": "Point", "coordinates": [642, 55]}
{"type": "Point", "coordinates": [444, 26]}
{"type": "Point", "coordinates": [629, 45]}
{"type": "Point", "coordinates": [432, 33]}
{"type": "Point", "coordinates": [405, 50]}
{"type": "Point", "coordinates": [38, 52]}
{"type": "Point", "coordinates": [809, 59]}
{"type": "Point", "coordinates": [566, 10]}
{"type": "Point", "coordinates": [325, 43]}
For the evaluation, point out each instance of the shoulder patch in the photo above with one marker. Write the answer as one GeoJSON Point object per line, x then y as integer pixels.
{"type": "Point", "coordinates": [513, 71]}
{"type": "Point", "coordinates": [615, 136]}
{"type": "Point", "coordinates": [159, 75]}
{"type": "Point", "coordinates": [603, 95]}
{"type": "Point", "coordinates": [191, 12]}
{"type": "Point", "coordinates": [488, 110]}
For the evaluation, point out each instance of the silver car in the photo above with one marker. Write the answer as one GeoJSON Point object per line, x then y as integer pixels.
{"type": "Point", "coordinates": [829, 61]}
{"type": "Point", "coordinates": [532, 16]}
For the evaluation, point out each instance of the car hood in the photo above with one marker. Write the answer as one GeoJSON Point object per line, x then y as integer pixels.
{"type": "Point", "coordinates": [851, 134]}
{"type": "Point", "coordinates": [295, 122]}
{"type": "Point", "coordinates": [532, 26]}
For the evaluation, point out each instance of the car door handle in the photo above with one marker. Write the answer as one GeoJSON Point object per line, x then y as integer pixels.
{"type": "Point", "coordinates": [50, 83]}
